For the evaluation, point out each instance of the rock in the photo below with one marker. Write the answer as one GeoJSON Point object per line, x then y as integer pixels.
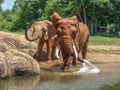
{"type": "Point", "coordinates": [30, 52]}
{"type": "Point", "coordinates": [3, 46]}
{"type": "Point", "coordinates": [15, 41]}
{"type": "Point", "coordinates": [21, 63]}
{"type": "Point", "coordinates": [4, 70]}
{"type": "Point", "coordinates": [16, 56]}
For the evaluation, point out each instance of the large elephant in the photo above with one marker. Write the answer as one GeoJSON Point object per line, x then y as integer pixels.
{"type": "Point", "coordinates": [73, 36]}
{"type": "Point", "coordinates": [45, 31]}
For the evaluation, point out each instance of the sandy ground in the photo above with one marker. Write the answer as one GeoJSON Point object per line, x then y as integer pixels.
{"type": "Point", "coordinates": [102, 53]}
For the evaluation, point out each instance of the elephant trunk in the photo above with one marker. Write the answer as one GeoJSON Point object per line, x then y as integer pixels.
{"type": "Point", "coordinates": [31, 35]}
{"type": "Point", "coordinates": [67, 44]}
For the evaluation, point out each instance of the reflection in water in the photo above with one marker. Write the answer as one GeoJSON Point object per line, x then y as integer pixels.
{"type": "Point", "coordinates": [20, 83]}
{"type": "Point", "coordinates": [107, 79]}
{"type": "Point", "coordinates": [111, 87]}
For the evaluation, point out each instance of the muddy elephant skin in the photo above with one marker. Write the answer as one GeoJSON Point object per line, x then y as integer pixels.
{"type": "Point", "coordinates": [73, 36]}
{"type": "Point", "coordinates": [46, 33]}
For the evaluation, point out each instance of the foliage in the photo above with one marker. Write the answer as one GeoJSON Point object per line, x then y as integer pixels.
{"type": "Point", "coordinates": [1, 1]}
{"type": "Point", "coordinates": [97, 14]}
{"type": "Point", "coordinates": [28, 12]}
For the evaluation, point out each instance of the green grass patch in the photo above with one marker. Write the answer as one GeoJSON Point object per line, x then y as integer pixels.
{"type": "Point", "coordinates": [100, 40]}
{"type": "Point", "coordinates": [21, 32]}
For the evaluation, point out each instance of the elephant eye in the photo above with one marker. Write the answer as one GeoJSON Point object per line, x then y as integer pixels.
{"type": "Point", "coordinates": [58, 32]}
{"type": "Point", "coordinates": [31, 29]}
{"type": "Point", "coordinates": [62, 27]}
{"type": "Point", "coordinates": [72, 24]}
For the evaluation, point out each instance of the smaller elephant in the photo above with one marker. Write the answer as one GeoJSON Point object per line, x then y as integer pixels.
{"type": "Point", "coordinates": [73, 38]}
{"type": "Point", "coordinates": [45, 31]}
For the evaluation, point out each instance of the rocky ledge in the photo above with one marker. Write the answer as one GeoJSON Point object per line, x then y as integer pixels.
{"type": "Point", "coordinates": [16, 56]}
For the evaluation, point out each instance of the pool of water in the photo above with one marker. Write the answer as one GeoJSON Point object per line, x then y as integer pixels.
{"type": "Point", "coordinates": [53, 79]}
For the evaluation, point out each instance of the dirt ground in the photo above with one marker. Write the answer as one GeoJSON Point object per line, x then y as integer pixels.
{"type": "Point", "coordinates": [102, 53]}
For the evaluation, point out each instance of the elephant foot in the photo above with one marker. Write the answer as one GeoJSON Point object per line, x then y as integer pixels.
{"type": "Point", "coordinates": [36, 57]}
{"type": "Point", "coordinates": [56, 57]}
{"type": "Point", "coordinates": [65, 68]}
{"type": "Point", "coordinates": [49, 61]}
{"type": "Point", "coordinates": [74, 63]}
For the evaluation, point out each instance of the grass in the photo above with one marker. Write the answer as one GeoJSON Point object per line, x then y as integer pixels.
{"type": "Point", "coordinates": [17, 32]}
{"type": "Point", "coordinates": [100, 40]}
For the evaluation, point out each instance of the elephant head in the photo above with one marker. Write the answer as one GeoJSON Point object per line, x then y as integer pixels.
{"type": "Point", "coordinates": [66, 30]}
{"type": "Point", "coordinates": [39, 29]}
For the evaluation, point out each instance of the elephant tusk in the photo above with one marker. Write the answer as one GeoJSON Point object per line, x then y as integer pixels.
{"type": "Point", "coordinates": [57, 53]}
{"type": "Point", "coordinates": [75, 51]}
{"type": "Point", "coordinates": [55, 36]}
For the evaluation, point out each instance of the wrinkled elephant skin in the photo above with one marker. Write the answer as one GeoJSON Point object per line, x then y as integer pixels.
{"type": "Point", "coordinates": [71, 33]}
{"type": "Point", "coordinates": [45, 31]}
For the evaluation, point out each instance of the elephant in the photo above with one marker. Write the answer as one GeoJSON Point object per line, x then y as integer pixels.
{"type": "Point", "coordinates": [45, 31]}
{"type": "Point", "coordinates": [73, 38]}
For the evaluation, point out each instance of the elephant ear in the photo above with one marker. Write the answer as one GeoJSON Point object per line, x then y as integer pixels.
{"type": "Point", "coordinates": [49, 31]}
{"type": "Point", "coordinates": [45, 25]}
{"type": "Point", "coordinates": [76, 36]}
{"type": "Point", "coordinates": [55, 17]}
{"type": "Point", "coordinates": [74, 18]}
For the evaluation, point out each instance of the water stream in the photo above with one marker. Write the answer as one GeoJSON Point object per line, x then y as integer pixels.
{"type": "Point", "coordinates": [54, 79]}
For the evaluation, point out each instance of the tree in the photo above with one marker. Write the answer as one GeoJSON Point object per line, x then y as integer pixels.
{"type": "Point", "coordinates": [1, 1]}
{"type": "Point", "coordinates": [28, 12]}
{"type": "Point", "coordinates": [1, 17]}
{"type": "Point", "coordinates": [95, 13]}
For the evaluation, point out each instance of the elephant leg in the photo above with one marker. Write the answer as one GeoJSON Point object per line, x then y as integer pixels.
{"type": "Point", "coordinates": [39, 51]}
{"type": "Point", "coordinates": [83, 45]}
{"type": "Point", "coordinates": [74, 61]}
{"type": "Point", "coordinates": [55, 50]}
{"type": "Point", "coordinates": [64, 54]}
{"type": "Point", "coordinates": [67, 62]}
{"type": "Point", "coordinates": [64, 57]}
{"type": "Point", "coordinates": [84, 50]}
{"type": "Point", "coordinates": [49, 49]}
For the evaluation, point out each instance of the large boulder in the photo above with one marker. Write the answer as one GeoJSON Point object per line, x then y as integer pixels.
{"type": "Point", "coordinates": [21, 63]}
{"type": "Point", "coordinates": [16, 56]}
{"type": "Point", "coordinates": [15, 41]}
{"type": "Point", "coordinates": [4, 70]}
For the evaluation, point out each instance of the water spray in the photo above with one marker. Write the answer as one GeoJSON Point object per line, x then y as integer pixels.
{"type": "Point", "coordinates": [87, 66]}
